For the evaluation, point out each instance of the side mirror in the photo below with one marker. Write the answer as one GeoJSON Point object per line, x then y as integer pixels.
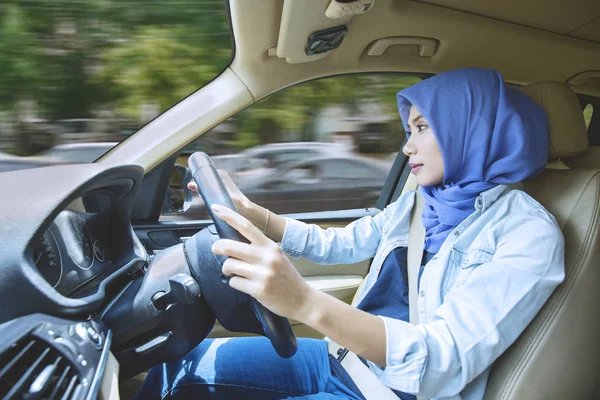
{"type": "Point", "coordinates": [178, 198]}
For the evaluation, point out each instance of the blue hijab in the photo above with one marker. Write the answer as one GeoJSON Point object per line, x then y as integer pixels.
{"type": "Point", "coordinates": [488, 133]}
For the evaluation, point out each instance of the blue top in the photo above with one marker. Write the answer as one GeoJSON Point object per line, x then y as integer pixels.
{"type": "Point", "coordinates": [389, 295]}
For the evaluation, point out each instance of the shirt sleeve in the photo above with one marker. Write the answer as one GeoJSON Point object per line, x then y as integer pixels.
{"type": "Point", "coordinates": [355, 242]}
{"type": "Point", "coordinates": [482, 317]}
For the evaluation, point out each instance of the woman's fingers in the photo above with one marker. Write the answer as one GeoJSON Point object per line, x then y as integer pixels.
{"type": "Point", "coordinates": [244, 277]}
{"type": "Point", "coordinates": [192, 186]}
{"type": "Point", "coordinates": [235, 267]}
{"type": "Point", "coordinates": [241, 224]}
{"type": "Point", "coordinates": [235, 249]}
{"type": "Point", "coordinates": [244, 285]}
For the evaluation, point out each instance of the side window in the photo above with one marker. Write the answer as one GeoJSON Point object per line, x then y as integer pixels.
{"type": "Point", "coordinates": [280, 159]}
{"type": "Point", "coordinates": [589, 104]}
{"type": "Point", "coordinates": [269, 159]}
{"type": "Point", "coordinates": [353, 170]}
{"type": "Point", "coordinates": [588, 111]}
{"type": "Point", "coordinates": [301, 174]}
{"type": "Point", "coordinates": [349, 125]}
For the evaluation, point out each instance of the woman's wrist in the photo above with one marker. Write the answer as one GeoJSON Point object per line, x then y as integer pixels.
{"type": "Point", "coordinates": [254, 213]}
{"type": "Point", "coordinates": [271, 224]}
{"type": "Point", "coordinates": [309, 312]}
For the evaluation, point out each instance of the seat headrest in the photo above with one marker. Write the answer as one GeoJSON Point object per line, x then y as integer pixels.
{"type": "Point", "coordinates": [568, 134]}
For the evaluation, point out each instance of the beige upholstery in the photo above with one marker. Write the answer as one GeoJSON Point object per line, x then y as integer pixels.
{"type": "Point", "coordinates": [566, 123]}
{"type": "Point", "coordinates": [589, 160]}
{"type": "Point", "coordinates": [558, 355]}
{"type": "Point", "coordinates": [568, 136]}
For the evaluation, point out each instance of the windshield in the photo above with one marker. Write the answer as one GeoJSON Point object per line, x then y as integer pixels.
{"type": "Point", "coordinates": [79, 76]}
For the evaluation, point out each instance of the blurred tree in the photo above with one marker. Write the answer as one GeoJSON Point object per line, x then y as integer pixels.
{"type": "Point", "coordinates": [21, 59]}
{"type": "Point", "coordinates": [75, 42]}
{"type": "Point", "coordinates": [78, 57]}
{"type": "Point", "coordinates": [294, 109]}
{"type": "Point", "coordinates": [170, 69]}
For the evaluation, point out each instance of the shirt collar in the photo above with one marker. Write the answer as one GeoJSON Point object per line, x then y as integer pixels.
{"type": "Point", "coordinates": [489, 197]}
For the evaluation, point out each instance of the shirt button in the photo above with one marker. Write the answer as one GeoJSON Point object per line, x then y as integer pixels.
{"type": "Point", "coordinates": [422, 294]}
{"type": "Point", "coordinates": [456, 233]}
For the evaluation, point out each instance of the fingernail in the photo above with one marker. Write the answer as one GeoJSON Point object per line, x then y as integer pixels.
{"type": "Point", "coordinates": [217, 208]}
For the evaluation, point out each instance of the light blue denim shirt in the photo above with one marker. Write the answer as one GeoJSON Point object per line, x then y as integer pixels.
{"type": "Point", "coordinates": [490, 278]}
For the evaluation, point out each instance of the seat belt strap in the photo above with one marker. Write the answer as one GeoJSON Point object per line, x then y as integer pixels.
{"type": "Point", "coordinates": [363, 377]}
{"type": "Point", "coordinates": [416, 242]}
{"type": "Point", "coordinates": [414, 254]}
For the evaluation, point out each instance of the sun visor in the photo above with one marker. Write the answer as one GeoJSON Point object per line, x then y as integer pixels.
{"type": "Point", "coordinates": [308, 34]}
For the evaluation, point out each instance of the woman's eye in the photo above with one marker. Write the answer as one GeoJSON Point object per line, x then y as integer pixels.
{"type": "Point", "coordinates": [421, 128]}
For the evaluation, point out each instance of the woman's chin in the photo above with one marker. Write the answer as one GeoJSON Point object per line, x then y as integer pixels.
{"type": "Point", "coordinates": [423, 181]}
{"type": "Point", "coordinates": [427, 181]}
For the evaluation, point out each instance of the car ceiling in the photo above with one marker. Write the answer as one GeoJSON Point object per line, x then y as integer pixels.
{"type": "Point", "coordinates": [526, 40]}
{"type": "Point", "coordinates": [578, 18]}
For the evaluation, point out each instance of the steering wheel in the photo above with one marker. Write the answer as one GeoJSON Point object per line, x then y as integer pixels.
{"type": "Point", "coordinates": [213, 191]}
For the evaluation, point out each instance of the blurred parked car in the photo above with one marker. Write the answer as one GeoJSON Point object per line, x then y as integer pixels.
{"type": "Point", "coordinates": [9, 162]}
{"type": "Point", "coordinates": [379, 137]}
{"type": "Point", "coordinates": [85, 129]}
{"type": "Point", "coordinates": [75, 153]}
{"type": "Point", "coordinates": [317, 184]}
{"type": "Point", "coordinates": [278, 154]}
{"type": "Point", "coordinates": [237, 163]}
{"type": "Point", "coordinates": [242, 168]}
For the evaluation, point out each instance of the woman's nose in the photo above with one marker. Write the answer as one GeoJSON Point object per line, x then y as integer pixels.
{"type": "Point", "coordinates": [408, 149]}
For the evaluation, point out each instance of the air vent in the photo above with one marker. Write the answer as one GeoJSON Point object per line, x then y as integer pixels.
{"type": "Point", "coordinates": [33, 369]}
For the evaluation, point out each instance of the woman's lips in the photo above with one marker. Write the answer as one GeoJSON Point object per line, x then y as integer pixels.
{"type": "Point", "coordinates": [415, 167]}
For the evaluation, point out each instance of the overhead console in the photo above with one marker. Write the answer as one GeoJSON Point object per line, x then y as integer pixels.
{"type": "Point", "coordinates": [320, 29]}
{"type": "Point", "coordinates": [310, 30]}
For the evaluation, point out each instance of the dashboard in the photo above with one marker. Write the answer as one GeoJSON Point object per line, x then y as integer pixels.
{"type": "Point", "coordinates": [74, 251]}
{"type": "Point", "coordinates": [78, 284]}
{"type": "Point", "coordinates": [66, 239]}
{"type": "Point", "coordinates": [66, 247]}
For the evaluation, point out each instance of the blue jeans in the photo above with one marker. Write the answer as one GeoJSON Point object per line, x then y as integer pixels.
{"type": "Point", "coordinates": [247, 368]}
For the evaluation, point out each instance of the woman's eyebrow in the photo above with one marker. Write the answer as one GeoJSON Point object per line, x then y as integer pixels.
{"type": "Point", "coordinates": [415, 119]}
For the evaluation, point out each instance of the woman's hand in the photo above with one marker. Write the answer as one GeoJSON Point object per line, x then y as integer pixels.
{"type": "Point", "coordinates": [239, 199]}
{"type": "Point", "coordinates": [249, 210]}
{"type": "Point", "coordinates": [260, 268]}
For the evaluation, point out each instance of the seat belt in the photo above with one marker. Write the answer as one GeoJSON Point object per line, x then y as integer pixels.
{"type": "Point", "coordinates": [416, 242]}
{"type": "Point", "coordinates": [369, 384]}
{"type": "Point", "coordinates": [414, 255]}
{"type": "Point", "coordinates": [366, 381]}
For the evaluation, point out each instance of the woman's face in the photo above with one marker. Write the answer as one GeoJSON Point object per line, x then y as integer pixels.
{"type": "Point", "coordinates": [425, 157]}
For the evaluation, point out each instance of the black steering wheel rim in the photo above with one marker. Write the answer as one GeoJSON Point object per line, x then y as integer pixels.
{"type": "Point", "coordinates": [212, 190]}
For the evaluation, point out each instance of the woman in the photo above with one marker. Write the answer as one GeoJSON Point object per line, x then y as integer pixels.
{"type": "Point", "coordinates": [492, 258]}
